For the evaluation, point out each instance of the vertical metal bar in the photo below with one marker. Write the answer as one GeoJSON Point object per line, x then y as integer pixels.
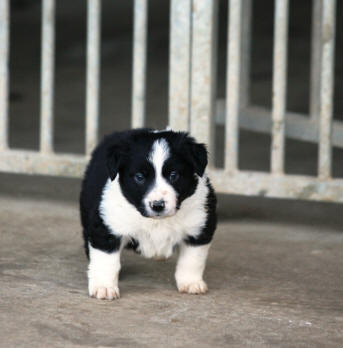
{"type": "Point", "coordinates": [233, 84]}
{"type": "Point", "coordinates": [315, 59]}
{"type": "Point", "coordinates": [326, 88]}
{"type": "Point", "coordinates": [139, 62]}
{"type": "Point", "coordinates": [47, 76]}
{"type": "Point", "coordinates": [180, 64]}
{"type": "Point", "coordinates": [279, 86]}
{"type": "Point", "coordinates": [4, 81]}
{"type": "Point", "coordinates": [93, 74]}
{"type": "Point", "coordinates": [203, 84]}
{"type": "Point", "coordinates": [246, 53]}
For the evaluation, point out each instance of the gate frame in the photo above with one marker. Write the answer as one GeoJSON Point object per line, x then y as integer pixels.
{"type": "Point", "coordinates": [192, 103]}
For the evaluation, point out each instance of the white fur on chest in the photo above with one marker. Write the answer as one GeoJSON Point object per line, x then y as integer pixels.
{"type": "Point", "coordinates": [156, 237]}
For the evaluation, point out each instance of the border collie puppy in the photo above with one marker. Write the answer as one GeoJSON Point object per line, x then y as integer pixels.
{"type": "Point", "coordinates": [147, 190]}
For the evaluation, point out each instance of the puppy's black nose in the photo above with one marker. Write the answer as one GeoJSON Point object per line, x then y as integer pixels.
{"type": "Point", "coordinates": [157, 206]}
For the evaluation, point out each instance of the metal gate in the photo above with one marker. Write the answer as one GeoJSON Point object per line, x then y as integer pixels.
{"type": "Point", "coordinates": [192, 103]}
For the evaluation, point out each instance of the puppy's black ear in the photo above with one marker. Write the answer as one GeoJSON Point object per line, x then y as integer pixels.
{"type": "Point", "coordinates": [195, 153]}
{"type": "Point", "coordinates": [199, 158]}
{"type": "Point", "coordinates": [114, 159]}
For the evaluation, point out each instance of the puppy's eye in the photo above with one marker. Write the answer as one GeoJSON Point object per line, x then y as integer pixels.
{"type": "Point", "coordinates": [173, 176]}
{"type": "Point", "coordinates": [139, 178]}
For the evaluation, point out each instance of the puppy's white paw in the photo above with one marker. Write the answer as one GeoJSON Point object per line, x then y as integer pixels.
{"type": "Point", "coordinates": [104, 292]}
{"type": "Point", "coordinates": [195, 287]}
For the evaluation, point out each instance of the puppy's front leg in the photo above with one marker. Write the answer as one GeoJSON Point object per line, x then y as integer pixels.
{"type": "Point", "coordinates": [190, 268]}
{"type": "Point", "coordinates": [103, 274]}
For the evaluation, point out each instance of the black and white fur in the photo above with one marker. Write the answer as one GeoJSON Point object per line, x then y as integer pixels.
{"type": "Point", "coordinates": [147, 190]}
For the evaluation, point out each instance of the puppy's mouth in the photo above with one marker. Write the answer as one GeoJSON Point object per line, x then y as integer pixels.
{"type": "Point", "coordinates": [157, 215]}
{"type": "Point", "coordinates": [160, 216]}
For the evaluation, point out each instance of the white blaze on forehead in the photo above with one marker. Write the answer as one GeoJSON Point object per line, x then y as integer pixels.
{"type": "Point", "coordinates": [159, 154]}
{"type": "Point", "coordinates": [161, 189]}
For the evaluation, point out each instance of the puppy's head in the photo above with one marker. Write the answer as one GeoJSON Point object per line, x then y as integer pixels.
{"type": "Point", "coordinates": [157, 170]}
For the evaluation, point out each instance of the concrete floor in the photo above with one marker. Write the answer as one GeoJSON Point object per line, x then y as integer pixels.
{"type": "Point", "coordinates": [271, 285]}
